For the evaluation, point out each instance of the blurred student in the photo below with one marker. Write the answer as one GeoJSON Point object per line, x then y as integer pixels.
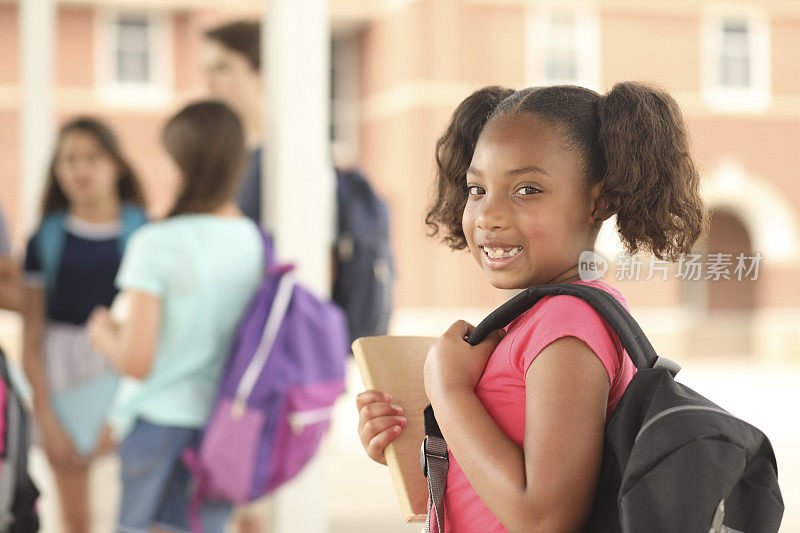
{"type": "Point", "coordinates": [10, 279]}
{"type": "Point", "coordinates": [232, 66]}
{"type": "Point", "coordinates": [91, 204]}
{"type": "Point", "coordinates": [187, 280]}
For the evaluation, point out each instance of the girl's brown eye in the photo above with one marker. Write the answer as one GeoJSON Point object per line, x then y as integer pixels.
{"type": "Point", "coordinates": [526, 190]}
{"type": "Point", "coordinates": [474, 190]}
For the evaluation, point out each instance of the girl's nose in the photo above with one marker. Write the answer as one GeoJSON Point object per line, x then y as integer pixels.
{"type": "Point", "coordinates": [492, 213]}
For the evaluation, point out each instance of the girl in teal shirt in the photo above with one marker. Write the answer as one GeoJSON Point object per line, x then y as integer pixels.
{"type": "Point", "coordinates": [187, 280]}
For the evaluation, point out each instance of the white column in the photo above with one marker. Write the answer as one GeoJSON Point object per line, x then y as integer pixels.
{"type": "Point", "coordinates": [37, 28]}
{"type": "Point", "coordinates": [299, 196]}
{"type": "Point", "coordinates": [299, 192]}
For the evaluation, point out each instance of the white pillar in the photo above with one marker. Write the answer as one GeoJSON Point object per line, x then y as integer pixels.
{"type": "Point", "coordinates": [37, 28]}
{"type": "Point", "coordinates": [299, 196]}
{"type": "Point", "coordinates": [299, 192]}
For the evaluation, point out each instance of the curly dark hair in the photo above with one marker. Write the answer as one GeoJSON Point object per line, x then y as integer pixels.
{"type": "Point", "coordinates": [633, 140]}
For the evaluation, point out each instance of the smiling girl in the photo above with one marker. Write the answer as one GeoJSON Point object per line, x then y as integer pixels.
{"type": "Point", "coordinates": [525, 180]}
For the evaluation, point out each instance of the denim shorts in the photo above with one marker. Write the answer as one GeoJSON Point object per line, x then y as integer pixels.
{"type": "Point", "coordinates": [156, 489]}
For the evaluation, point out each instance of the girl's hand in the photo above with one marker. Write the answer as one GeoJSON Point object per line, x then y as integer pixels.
{"type": "Point", "coordinates": [106, 443]}
{"type": "Point", "coordinates": [453, 364]}
{"type": "Point", "coordinates": [379, 422]}
{"type": "Point", "coordinates": [58, 446]}
{"type": "Point", "coordinates": [102, 330]}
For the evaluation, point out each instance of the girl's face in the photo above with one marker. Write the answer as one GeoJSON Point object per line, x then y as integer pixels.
{"type": "Point", "coordinates": [528, 213]}
{"type": "Point", "coordinates": [230, 77]}
{"type": "Point", "coordinates": [85, 172]}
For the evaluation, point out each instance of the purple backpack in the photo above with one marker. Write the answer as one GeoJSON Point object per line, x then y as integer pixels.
{"type": "Point", "coordinates": [284, 373]}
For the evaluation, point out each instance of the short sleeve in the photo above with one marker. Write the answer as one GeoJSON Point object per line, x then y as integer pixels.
{"type": "Point", "coordinates": [566, 316]}
{"type": "Point", "coordinates": [141, 268]}
{"type": "Point", "coordinates": [33, 265]}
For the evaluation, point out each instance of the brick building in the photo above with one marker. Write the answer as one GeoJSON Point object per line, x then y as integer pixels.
{"type": "Point", "coordinates": [399, 69]}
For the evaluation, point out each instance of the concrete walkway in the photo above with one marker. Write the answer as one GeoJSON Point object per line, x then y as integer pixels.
{"type": "Point", "coordinates": [359, 497]}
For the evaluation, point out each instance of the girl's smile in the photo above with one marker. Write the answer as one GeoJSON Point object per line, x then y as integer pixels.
{"type": "Point", "coordinates": [499, 256]}
{"type": "Point", "coordinates": [529, 205]}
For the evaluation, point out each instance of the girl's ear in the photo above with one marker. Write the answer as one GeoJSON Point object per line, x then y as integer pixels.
{"type": "Point", "coordinates": [600, 211]}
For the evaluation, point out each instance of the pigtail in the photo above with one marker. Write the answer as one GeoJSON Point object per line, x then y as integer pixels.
{"type": "Point", "coordinates": [650, 181]}
{"type": "Point", "coordinates": [453, 155]}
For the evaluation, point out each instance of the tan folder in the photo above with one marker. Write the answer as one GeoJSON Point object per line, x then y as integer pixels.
{"type": "Point", "coordinates": [394, 365]}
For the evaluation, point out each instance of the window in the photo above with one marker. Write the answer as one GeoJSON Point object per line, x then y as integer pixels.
{"type": "Point", "coordinates": [735, 55]}
{"type": "Point", "coordinates": [133, 59]}
{"type": "Point", "coordinates": [133, 49]}
{"type": "Point", "coordinates": [562, 47]}
{"type": "Point", "coordinates": [736, 71]}
{"type": "Point", "coordinates": [344, 91]}
{"type": "Point", "coordinates": [561, 53]}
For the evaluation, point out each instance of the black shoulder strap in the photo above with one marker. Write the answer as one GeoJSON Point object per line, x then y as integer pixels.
{"type": "Point", "coordinates": [630, 334]}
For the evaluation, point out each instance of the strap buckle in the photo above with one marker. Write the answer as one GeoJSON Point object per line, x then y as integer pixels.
{"type": "Point", "coordinates": [424, 453]}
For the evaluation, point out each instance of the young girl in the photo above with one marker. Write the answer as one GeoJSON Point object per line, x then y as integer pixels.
{"type": "Point", "coordinates": [91, 204]}
{"type": "Point", "coordinates": [525, 180]}
{"type": "Point", "coordinates": [187, 280]}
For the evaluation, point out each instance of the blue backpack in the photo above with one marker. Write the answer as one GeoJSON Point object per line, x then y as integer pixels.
{"type": "Point", "coordinates": [365, 269]}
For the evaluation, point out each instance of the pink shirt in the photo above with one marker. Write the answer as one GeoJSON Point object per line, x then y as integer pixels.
{"type": "Point", "coordinates": [501, 389]}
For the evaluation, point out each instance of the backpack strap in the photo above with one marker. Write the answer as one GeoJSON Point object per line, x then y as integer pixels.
{"type": "Point", "coordinates": [269, 249]}
{"type": "Point", "coordinates": [435, 464]}
{"type": "Point", "coordinates": [50, 241]}
{"type": "Point", "coordinates": [630, 334]}
{"type": "Point", "coordinates": [280, 304]}
{"type": "Point", "coordinates": [132, 217]}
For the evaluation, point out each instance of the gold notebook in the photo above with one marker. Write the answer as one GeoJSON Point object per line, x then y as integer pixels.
{"type": "Point", "coordinates": [394, 365]}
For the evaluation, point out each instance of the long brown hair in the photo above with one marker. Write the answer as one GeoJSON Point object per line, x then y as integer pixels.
{"type": "Point", "coordinates": [128, 188]}
{"type": "Point", "coordinates": [632, 140]}
{"type": "Point", "coordinates": [206, 141]}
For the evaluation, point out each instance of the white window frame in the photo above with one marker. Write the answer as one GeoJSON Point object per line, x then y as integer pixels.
{"type": "Point", "coordinates": [345, 109]}
{"type": "Point", "coordinates": [152, 94]}
{"type": "Point", "coordinates": [587, 45]}
{"type": "Point", "coordinates": [721, 98]}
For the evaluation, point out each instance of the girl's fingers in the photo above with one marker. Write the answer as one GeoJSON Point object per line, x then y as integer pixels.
{"type": "Point", "coordinates": [378, 443]}
{"type": "Point", "coordinates": [460, 328]}
{"type": "Point", "coordinates": [370, 396]}
{"type": "Point", "coordinates": [381, 423]}
{"type": "Point", "coordinates": [377, 409]}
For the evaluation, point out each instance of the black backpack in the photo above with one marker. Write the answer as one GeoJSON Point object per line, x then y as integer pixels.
{"type": "Point", "coordinates": [673, 461]}
{"type": "Point", "coordinates": [18, 494]}
{"type": "Point", "coordinates": [364, 265]}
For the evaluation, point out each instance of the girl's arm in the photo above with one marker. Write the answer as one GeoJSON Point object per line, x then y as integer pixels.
{"type": "Point", "coordinates": [11, 287]}
{"type": "Point", "coordinates": [32, 329]}
{"type": "Point", "coordinates": [130, 346]}
{"type": "Point", "coordinates": [548, 484]}
{"type": "Point", "coordinates": [57, 444]}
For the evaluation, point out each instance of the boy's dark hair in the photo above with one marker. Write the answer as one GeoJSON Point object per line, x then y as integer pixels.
{"type": "Point", "coordinates": [206, 141]}
{"type": "Point", "coordinates": [241, 36]}
{"type": "Point", "coordinates": [633, 140]}
{"type": "Point", "coordinates": [53, 198]}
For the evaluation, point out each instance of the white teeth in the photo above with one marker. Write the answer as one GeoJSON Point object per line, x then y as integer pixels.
{"type": "Point", "coordinates": [500, 253]}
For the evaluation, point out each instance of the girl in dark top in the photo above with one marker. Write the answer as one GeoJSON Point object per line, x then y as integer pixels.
{"type": "Point", "coordinates": [91, 204]}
